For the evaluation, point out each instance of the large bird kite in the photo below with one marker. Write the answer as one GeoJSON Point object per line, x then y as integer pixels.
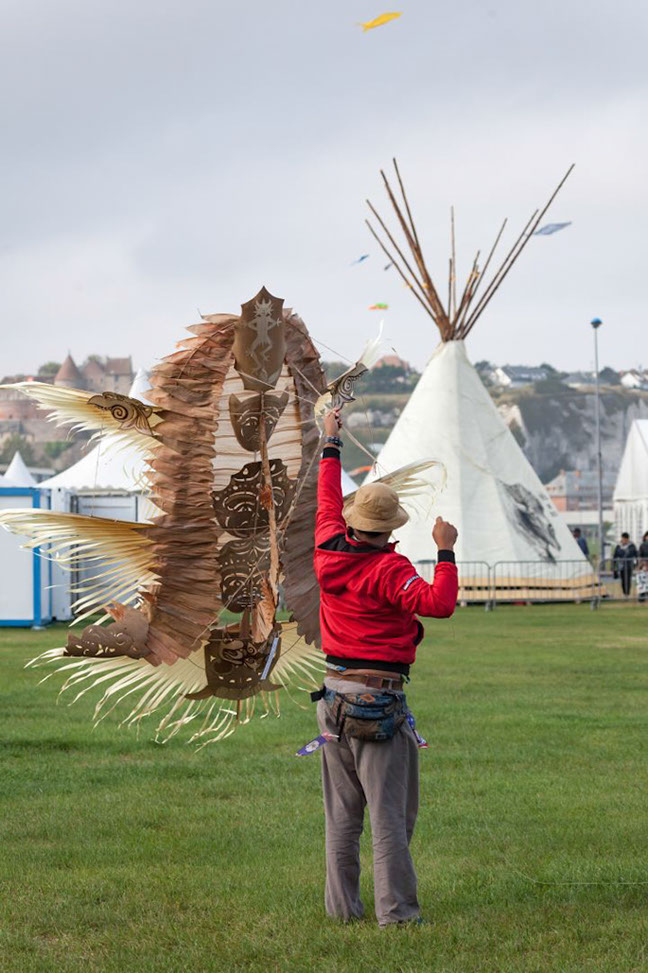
{"type": "Point", "coordinates": [191, 628]}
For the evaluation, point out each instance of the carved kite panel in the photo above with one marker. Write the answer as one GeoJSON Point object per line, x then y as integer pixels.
{"type": "Point", "coordinates": [259, 342]}
{"type": "Point", "coordinates": [245, 414]}
{"type": "Point", "coordinates": [130, 413]}
{"type": "Point", "coordinates": [234, 665]}
{"type": "Point", "coordinates": [242, 507]}
{"type": "Point", "coordinates": [243, 565]}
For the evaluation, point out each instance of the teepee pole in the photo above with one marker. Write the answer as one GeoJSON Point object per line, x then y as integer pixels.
{"type": "Point", "coordinates": [466, 296]}
{"type": "Point", "coordinates": [501, 272]}
{"type": "Point", "coordinates": [524, 237]}
{"type": "Point", "coordinates": [454, 263]}
{"type": "Point", "coordinates": [398, 250]}
{"type": "Point", "coordinates": [482, 276]}
{"type": "Point", "coordinates": [409, 213]}
{"type": "Point", "coordinates": [392, 259]}
{"type": "Point", "coordinates": [433, 298]}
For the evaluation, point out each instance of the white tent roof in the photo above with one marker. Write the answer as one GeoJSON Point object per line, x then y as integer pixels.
{"type": "Point", "coordinates": [140, 386]}
{"type": "Point", "coordinates": [348, 486]}
{"type": "Point", "coordinates": [110, 466]}
{"type": "Point", "coordinates": [17, 474]}
{"type": "Point", "coordinates": [493, 495]}
{"type": "Point", "coordinates": [632, 481]}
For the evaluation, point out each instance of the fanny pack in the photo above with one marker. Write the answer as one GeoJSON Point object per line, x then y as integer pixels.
{"type": "Point", "coordinates": [369, 716]}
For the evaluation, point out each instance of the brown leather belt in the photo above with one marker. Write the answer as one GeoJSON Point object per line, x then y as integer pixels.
{"type": "Point", "coordinates": [371, 679]}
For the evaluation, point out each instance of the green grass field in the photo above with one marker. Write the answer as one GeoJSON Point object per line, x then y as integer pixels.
{"type": "Point", "coordinates": [532, 843]}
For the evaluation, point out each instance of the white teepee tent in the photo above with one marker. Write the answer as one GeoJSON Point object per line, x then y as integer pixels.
{"type": "Point", "coordinates": [631, 490]}
{"type": "Point", "coordinates": [493, 496]}
{"type": "Point", "coordinates": [17, 474]}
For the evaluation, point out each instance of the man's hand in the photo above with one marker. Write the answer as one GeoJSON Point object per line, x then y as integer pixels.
{"type": "Point", "coordinates": [332, 422]}
{"type": "Point", "coordinates": [444, 534]}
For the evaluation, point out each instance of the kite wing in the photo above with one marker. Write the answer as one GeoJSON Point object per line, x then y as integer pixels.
{"type": "Point", "coordinates": [379, 21]}
{"type": "Point", "coordinates": [232, 451]}
{"type": "Point", "coordinates": [551, 228]}
{"type": "Point", "coordinates": [129, 420]}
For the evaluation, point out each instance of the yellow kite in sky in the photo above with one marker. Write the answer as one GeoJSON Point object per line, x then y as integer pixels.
{"type": "Point", "coordinates": [379, 21]}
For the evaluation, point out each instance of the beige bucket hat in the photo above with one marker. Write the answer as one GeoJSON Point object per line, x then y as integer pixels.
{"type": "Point", "coordinates": [375, 507]}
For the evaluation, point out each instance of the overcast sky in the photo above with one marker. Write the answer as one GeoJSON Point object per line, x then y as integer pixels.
{"type": "Point", "coordinates": [164, 157]}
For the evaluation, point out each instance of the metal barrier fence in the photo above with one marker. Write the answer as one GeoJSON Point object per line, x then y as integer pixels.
{"type": "Point", "coordinates": [625, 580]}
{"type": "Point", "coordinates": [475, 580]}
{"type": "Point", "coordinates": [522, 581]}
{"type": "Point", "coordinates": [542, 581]}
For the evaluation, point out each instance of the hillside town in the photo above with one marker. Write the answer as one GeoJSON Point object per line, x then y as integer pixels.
{"type": "Point", "coordinates": [550, 413]}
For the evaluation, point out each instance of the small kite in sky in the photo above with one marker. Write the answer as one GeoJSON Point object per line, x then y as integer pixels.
{"type": "Point", "coordinates": [379, 307]}
{"type": "Point", "coordinates": [379, 21]}
{"type": "Point", "coordinates": [551, 228]}
{"type": "Point", "coordinates": [364, 256]}
{"type": "Point", "coordinates": [387, 266]}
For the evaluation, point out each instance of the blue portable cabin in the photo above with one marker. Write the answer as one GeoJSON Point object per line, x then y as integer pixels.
{"type": "Point", "coordinates": [25, 576]}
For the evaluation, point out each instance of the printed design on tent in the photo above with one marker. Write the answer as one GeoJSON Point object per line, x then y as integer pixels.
{"type": "Point", "coordinates": [232, 456]}
{"type": "Point", "coordinates": [527, 513]}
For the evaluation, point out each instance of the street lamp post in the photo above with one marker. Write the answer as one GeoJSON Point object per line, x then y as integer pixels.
{"type": "Point", "coordinates": [596, 324]}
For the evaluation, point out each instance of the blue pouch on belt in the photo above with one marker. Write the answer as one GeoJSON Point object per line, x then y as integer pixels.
{"type": "Point", "coordinates": [369, 716]}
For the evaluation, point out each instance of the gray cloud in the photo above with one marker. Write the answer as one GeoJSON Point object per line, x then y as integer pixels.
{"type": "Point", "coordinates": [159, 157]}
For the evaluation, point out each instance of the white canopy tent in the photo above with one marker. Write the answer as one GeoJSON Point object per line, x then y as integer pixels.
{"type": "Point", "coordinates": [17, 473]}
{"type": "Point", "coordinates": [348, 486]}
{"type": "Point", "coordinates": [108, 481]}
{"type": "Point", "coordinates": [631, 490]}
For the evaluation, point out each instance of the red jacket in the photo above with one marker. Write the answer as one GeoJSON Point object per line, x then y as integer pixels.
{"type": "Point", "coordinates": [370, 596]}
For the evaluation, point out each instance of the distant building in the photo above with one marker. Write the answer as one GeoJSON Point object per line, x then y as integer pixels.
{"type": "Point", "coordinates": [68, 375]}
{"type": "Point", "coordinates": [579, 380]}
{"type": "Point", "coordinates": [517, 376]}
{"type": "Point", "coordinates": [394, 361]}
{"type": "Point", "coordinates": [20, 415]}
{"type": "Point", "coordinates": [578, 489]}
{"type": "Point", "coordinates": [97, 375]}
{"type": "Point", "coordinates": [634, 379]}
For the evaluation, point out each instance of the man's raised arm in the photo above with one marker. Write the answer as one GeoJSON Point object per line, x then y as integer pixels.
{"type": "Point", "coordinates": [329, 520]}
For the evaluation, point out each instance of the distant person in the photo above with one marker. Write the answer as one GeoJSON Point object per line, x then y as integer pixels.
{"type": "Point", "coordinates": [643, 548]}
{"type": "Point", "coordinates": [580, 540]}
{"type": "Point", "coordinates": [642, 569]}
{"type": "Point", "coordinates": [625, 555]}
{"type": "Point", "coordinates": [642, 581]}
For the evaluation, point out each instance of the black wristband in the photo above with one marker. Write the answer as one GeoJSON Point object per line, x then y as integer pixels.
{"type": "Point", "coordinates": [446, 556]}
{"type": "Point", "coordinates": [331, 452]}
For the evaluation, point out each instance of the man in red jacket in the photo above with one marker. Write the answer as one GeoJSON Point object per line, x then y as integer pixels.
{"type": "Point", "coordinates": [370, 597]}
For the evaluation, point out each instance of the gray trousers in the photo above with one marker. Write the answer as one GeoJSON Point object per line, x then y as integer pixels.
{"type": "Point", "coordinates": [384, 776]}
